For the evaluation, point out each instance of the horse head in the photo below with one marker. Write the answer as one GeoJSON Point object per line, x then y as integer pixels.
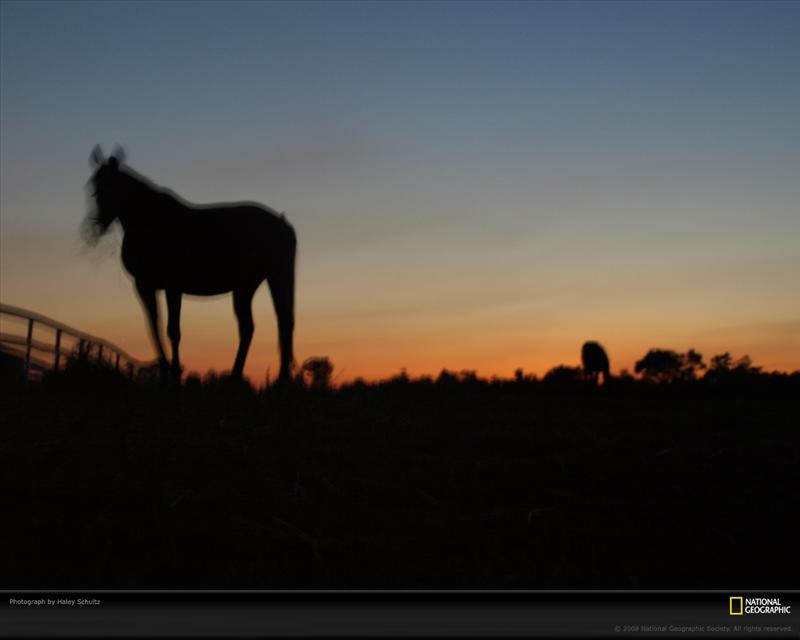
{"type": "Point", "coordinates": [108, 187]}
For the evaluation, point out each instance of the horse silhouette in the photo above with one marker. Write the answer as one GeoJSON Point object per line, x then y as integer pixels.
{"type": "Point", "coordinates": [595, 362]}
{"type": "Point", "coordinates": [172, 245]}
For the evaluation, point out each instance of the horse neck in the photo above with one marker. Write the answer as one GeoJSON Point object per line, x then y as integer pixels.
{"type": "Point", "coordinates": [149, 210]}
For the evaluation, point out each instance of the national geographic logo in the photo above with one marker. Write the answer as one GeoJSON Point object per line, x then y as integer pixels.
{"type": "Point", "coordinates": [739, 605]}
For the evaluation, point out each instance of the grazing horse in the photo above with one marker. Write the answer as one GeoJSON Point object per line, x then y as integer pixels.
{"type": "Point", "coordinates": [201, 250]}
{"type": "Point", "coordinates": [595, 362]}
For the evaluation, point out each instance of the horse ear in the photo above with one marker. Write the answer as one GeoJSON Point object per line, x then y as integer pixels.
{"type": "Point", "coordinates": [97, 158]}
{"type": "Point", "coordinates": [119, 153]}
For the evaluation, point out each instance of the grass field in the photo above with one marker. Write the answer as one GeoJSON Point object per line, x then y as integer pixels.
{"type": "Point", "coordinates": [464, 484]}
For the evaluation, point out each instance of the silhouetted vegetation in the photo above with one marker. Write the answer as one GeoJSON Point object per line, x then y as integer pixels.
{"type": "Point", "coordinates": [660, 365]}
{"type": "Point", "coordinates": [724, 367]}
{"type": "Point", "coordinates": [456, 481]}
{"type": "Point", "coordinates": [563, 374]}
{"type": "Point", "coordinates": [316, 373]}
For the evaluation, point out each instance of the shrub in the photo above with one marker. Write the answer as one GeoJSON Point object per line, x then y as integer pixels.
{"type": "Point", "coordinates": [661, 365]}
{"type": "Point", "coordinates": [316, 372]}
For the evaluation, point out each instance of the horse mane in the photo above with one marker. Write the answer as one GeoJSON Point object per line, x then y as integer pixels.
{"type": "Point", "coordinates": [145, 189]}
{"type": "Point", "coordinates": [145, 195]}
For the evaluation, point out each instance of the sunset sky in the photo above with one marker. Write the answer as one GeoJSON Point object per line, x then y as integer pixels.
{"type": "Point", "coordinates": [474, 185]}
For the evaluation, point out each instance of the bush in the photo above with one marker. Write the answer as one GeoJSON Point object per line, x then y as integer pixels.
{"type": "Point", "coordinates": [724, 367]}
{"type": "Point", "coordinates": [661, 365]}
{"type": "Point", "coordinates": [316, 373]}
{"type": "Point", "coordinates": [563, 374]}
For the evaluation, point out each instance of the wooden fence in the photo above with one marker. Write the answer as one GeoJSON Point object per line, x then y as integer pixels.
{"type": "Point", "coordinates": [38, 355]}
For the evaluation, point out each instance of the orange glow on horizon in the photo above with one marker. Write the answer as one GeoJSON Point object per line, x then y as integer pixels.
{"type": "Point", "coordinates": [373, 353]}
{"type": "Point", "coordinates": [382, 348]}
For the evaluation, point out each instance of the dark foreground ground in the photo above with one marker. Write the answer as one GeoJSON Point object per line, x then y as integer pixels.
{"type": "Point", "coordinates": [108, 484]}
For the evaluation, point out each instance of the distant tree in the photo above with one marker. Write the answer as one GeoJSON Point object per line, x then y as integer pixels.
{"type": "Point", "coordinates": [745, 364]}
{"type": "Point", "coordinates": [720, 363]}
{"type": "Point", "coordinates": [317, 372]}
{"type": "Point", "coordinates": [401, 378]}
{"type": "Point", "coordinates": [446, 377]}
{"type": "Point", "coordinates": [564, 374]}
{"type": "Point", "coordinates": [724, 366]}
{"type": "Point", "coordinates": [692, 363]}
{"type": "Point", "coordinates": [520, 376]}
{"type": "Point", "coordinates": [661, 365]}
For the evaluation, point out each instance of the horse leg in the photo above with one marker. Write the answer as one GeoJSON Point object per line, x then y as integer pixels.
{"type": "Point", "coordinates": [174, 328]}
{"type": "Point", "coordinates": [242, 307]}
{"type": "Point", "coordinates": [282, 289]}
{"type": "Point", "coordinates": [147, 295]}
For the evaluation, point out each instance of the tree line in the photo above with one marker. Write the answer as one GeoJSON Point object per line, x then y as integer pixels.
{"type": "Point", "coordinates": [660, 366]}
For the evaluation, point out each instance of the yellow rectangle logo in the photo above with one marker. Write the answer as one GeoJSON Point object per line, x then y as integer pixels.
{"type": "Point", "coordinates": [737, 605]}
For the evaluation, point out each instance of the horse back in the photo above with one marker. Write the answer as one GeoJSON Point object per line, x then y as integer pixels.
{"type": "Point", "coordinates": [210, 249]}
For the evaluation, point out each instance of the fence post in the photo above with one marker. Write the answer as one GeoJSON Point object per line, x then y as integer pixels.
{"type": "Point", "coordinates": [58, 349]}
{"type": "Point", "coordinates": [84, 346]}
{"type": "Point", "coordinates": [28, 343]}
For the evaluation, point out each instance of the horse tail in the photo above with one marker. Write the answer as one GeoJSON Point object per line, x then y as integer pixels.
{"type": "Point", "coordinates": [282, 286]}
{"type": "Point", "coordinates": [290, 280]}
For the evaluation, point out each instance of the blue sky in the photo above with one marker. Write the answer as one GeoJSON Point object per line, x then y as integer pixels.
{"type": "Point", "coordinates": [485, 184]}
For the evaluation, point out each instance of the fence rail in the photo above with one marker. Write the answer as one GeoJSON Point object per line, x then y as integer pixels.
{"type": "Point", "coordinates": [26, 348]}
